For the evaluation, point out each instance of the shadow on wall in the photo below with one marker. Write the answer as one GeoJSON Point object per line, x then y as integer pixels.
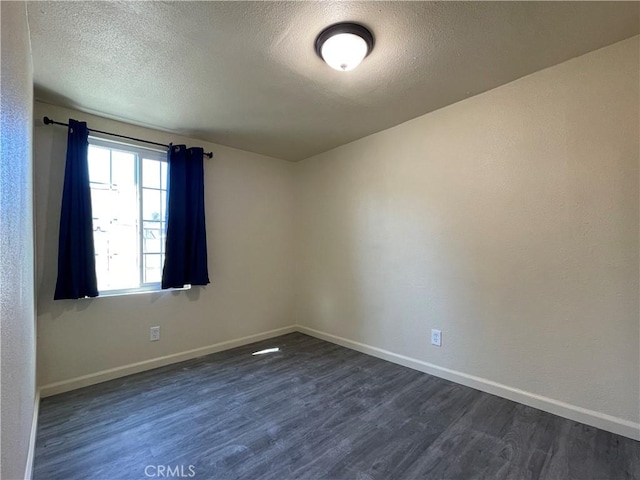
{"type": "Point", "coordinates": [46, 95]}
{"type": "Point", "coordinates": [50, 145]}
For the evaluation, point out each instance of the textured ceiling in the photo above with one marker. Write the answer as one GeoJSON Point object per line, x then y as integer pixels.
{"type": "Point", "coordinates": [245, 74]}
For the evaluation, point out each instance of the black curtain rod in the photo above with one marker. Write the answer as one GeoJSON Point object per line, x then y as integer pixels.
{"type": "Point", "coordinates": [48, 121]}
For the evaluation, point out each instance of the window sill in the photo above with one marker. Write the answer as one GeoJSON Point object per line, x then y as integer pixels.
{"type": "Point", "coordinates": [139, 291]}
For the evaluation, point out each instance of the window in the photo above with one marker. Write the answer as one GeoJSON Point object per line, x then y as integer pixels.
{"type": "Point", "coordinates": [128, 198]}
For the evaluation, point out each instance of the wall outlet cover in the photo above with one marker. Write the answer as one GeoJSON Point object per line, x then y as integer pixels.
{"type": "Point", "coordinates": [436, 338]}
{"type": "Point", "coordinates": [155, 334]}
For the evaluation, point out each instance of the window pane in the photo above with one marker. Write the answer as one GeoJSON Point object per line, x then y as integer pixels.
{"type": "Point", "coordinates": [151, 205]}
{"type": "Point", "coordinates": [163, 206]}
{"type": "Point", "coordinates": [152, 268]}
{"type": "Point", "coordinates": [125, 186]}
{"type": "Point", "coordinates": [152, 237]}
{"type": "Point", "coordinates": [101, 243]}
{"type": "Point", "coordinates": [116, 253]}
{"type": "Point", "coordinates": [163, 175]}
{"type": "Point", "coordinates": [123, 259]}
{"type": "Point", "coordinates": [115, 220]}
{"type": "Point", "coordinates": [151, 173]}
{"type": "Point", "coordinates": [100, 205]}
{"type": "Point", "coordinates": [163, 229]}
{"type": "Point", "coordinates": [123, 168]}
{"type": "Point", "coordinates": [99, 166]}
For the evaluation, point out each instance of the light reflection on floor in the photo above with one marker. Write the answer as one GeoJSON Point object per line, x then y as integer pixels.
{"type": "Point", "coordinates": [267, 350]}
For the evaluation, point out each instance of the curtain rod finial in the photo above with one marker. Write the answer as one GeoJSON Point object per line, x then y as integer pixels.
{"type": "Point", "coordinates": [47, 120]}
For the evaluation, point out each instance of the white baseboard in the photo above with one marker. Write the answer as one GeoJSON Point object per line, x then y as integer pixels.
{"type": "Point", "coordinates": [28, 471]}
{"type": "Point", "coordinates": [562, 409]}
{"type": "Point", "coordinates": [110, 374]}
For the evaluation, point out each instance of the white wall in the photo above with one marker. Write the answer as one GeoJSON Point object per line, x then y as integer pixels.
{"type": "Point", "coordinates": [248, 203]}
{"type": "Point", "coordinates": [509, 220]}
{"type": "Point", "coordinates": [17, 300]}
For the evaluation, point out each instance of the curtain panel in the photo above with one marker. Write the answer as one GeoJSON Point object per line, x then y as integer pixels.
{"type": "Point", "coordinates": [76, 253]}
{"type": "Point", "coordinates": [186, 242]}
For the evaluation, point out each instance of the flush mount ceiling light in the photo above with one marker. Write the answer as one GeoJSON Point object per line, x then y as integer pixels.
{"type": "Point", "coordinates": [344, 45]}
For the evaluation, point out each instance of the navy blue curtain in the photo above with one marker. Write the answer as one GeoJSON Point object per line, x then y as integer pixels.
{"type": "Point", "coordinates": [186, 245]}
{"type": "Point", "coordinates": [76, 253]}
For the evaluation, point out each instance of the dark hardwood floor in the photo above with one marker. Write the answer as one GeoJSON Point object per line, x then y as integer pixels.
{"type": "Point", "coordinates": [314, 410]}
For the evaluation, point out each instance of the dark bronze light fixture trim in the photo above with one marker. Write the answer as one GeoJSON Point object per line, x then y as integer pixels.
{"type": "Point", "coordinates": [345, 27]}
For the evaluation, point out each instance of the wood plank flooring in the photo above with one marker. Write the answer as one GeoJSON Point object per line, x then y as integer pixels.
{"type": "Point", "coordinates": [313, 410]}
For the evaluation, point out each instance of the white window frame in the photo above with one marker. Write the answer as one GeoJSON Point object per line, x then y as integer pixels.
{"type": "Point", "coordinates": [151, 154]}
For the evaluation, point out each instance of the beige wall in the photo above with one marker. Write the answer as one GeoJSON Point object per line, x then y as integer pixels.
{"type": "Point", "coordinates": [17, 315]}
{"type": "Point", "coordinates": [248, 203]}
{"type": "Point", "coordinates": [509, 221]}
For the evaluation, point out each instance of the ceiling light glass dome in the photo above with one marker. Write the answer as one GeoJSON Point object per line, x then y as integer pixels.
{"type": "Point", "coordinates": [343, 46]}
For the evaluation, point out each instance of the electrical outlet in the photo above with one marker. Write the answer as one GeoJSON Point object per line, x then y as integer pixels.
{"type": "Point", "coordinates": [436, 338]}
{"type": "Point", "coordinates": [155, 334]}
